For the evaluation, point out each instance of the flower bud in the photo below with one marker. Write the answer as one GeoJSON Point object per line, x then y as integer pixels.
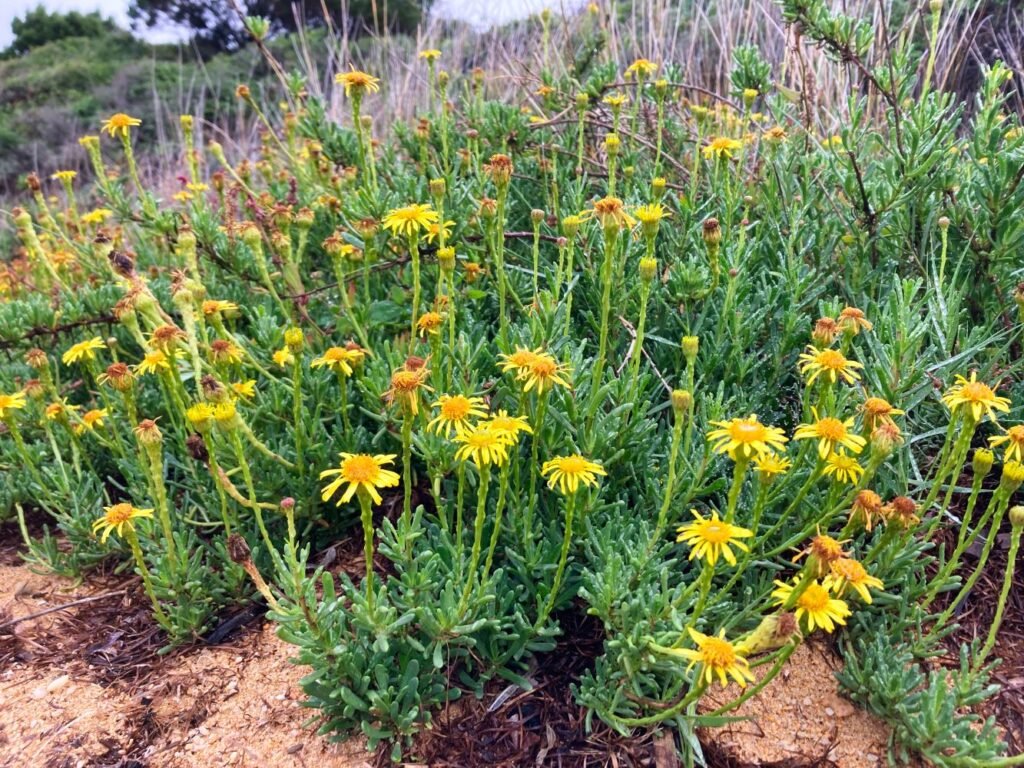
{"type": "Point", "coordinates": [658, 187]}
{"type": "Point", "coordinates": [690, 346]}
{"type": "Point", "coordinates": [943, 223]}
{"type": "Point", "coordinates": [570, 226]}
{"type": "Point", "coordinates": [982, 462]}
{"type": "Point", "coordinates": [37, 359]}
{"type": "Point", "coordinates": [682, 402]}
{"type": "Point", "coordinates": [1013, 476]}
{"type": "Point", "coordinates": [648, 269]}
{"type": "Point", "coordinates": [582, 101]}
{"type": "Point", "coordinates": [148, 433]}
{"type": "Point", "coordinates": [935, 6]}
{"type": "Point", "coordinates": [712, 233]}
{"type": "Point", "coordinates": [446, 259]}
{"type": "Point", "coordinates": [536, 216]}
{"type": "Point", "coordinates": [437, 187]}
{"type": "Point", "coordinates": [294, 338]}
{"type": "Point", "coordinates": [1017, 516]}
{"type": "Point", "coordinates": [304, 218]}
{"type": "Point", "coordinates": [612, 144]}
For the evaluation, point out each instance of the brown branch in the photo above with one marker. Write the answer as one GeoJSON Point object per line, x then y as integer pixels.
{"type": "Point", "coordinates": [62, 607]}
{"type": "Point", "coordinates": [57, 330]}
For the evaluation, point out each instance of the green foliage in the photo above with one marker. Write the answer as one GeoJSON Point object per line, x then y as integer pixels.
{"type": "Point", "coordinates": [39, 27]}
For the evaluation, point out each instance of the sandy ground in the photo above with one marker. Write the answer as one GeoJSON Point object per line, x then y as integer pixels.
{"type": "Point", "coordinates": [239, 704]}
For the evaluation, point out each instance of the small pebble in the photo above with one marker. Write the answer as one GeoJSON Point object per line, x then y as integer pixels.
{"type": "Point", "coordinates": [294, 748]}
{"type": "Point", "coordinates": [830, 712]}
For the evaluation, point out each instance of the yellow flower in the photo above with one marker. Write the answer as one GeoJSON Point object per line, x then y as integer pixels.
{"type": "Point", "coordinates": [712, 538]}
{"type": "Point", "coordinates": [844, 468]}
{"type": "Point", "coordinates": [744, 439]}
{"type": "Point", "coordinates": [200, 415]}
{"type": "Point", "coordinates": [866, 507]}
{"type": "Point", "coordinates": [340, 359]}
{"type": "Point", "coordinates": [430, 54]}
{"type": "Point", "coordinates": [1013, 439]}
{"type": "Point", "coordinates": [97, 216]}
{"type": "Point", "coordinates": [59, 409]}
{"type": "Point", "coordinates": [83, 350]}
{"type": "Point", "coordinates": [830, 364]}
{"type": "Point", "coordinates": [615, 100]}
{"type": "Point", "coordinates": [642, 68]}
{"type": "Point", "coordinates": [246, 389]}
{"type": "Point", "coordinates": [567, 472]}
{"type": "Point", "coordinates": [509, 426]}
{"type": "Point", "coordinates": [611, 212]}
{"type": "Point", "coordinates": [455, 412]}
{"type": "Point", "coordinates": [543, 373]}
{"type": "Point", "coordinates": [225, 352]}
{"type": "Point", "coordinates": [405, 386]}
{"type": "Point", "coordinates": [119, 124]}
{"type": "Point", "coordinates": [846, 572]}
{"type": "Point", "coordinates": [117, 518]}
{"type": "Point", "coordinates": [717, 658]}
{"type": "Point", "coordinates": [363, 473]}
{"type": "Point", "coordinates": [519, 361]}
{"type": "Point", "coordinates": [153, 362]}
{"type": "Point", "coordinates": [64, 176]}
{"type": "Point", "coordinates": [976, 397]}
{"type": "Point", "coordinates": [775, 134]}
{"type": "Point", "coordinates": [218, 306]}
{"type": "Point", "coordinates": [92, 419]}
{"type": "Point", "coordinates": [815, 606]}
{"type": "Point", "coordinates": [410, 220]}
{"type": "Point", "coordinates": [283, 357]}
{"type": "Point", "coordinates": [830, 433]}
{"type": "Point", "coordinates": [770, 465]}
{"type": "Point", "coordinates": [434, 231]}
{"type": "Point", "coordinates": [357, 83]}
{"type": "Point", "coordinates": [429, 323]}
{"type": "Point", "coordinates": [482, 446]}
{"type": "Point", "coordinates": [853, 321]}
{"type": "Point", "coordinates": [722, 146]}
{"type": "Point", "coordinates": [11, 403]}
{"type": "Point", "coordinates": [878, 411]}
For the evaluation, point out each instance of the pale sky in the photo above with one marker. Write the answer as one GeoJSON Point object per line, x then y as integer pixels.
{"type": "Point", "coordinates": [116, 9]}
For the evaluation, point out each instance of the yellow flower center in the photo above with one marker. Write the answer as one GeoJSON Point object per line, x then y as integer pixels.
{"type": "Point", "coordinates": [456, 409]}
{"type": "Point", "coordinates": [850, 570]}
{"type": "Point", "coordinates": [814, 599]}
{"type": "Point", "coordinates": [573, 465]}
{"type": "Point", "coordinates": [119, 513]}
{"type": "Point", "coordinates": [977, 392]}
{"type": "Point", "coordinates": [831, 428]}
{"type": "Point", "coordinates": [832, 360]}
{"type": "Point", "coordinates": [482, 438]}
{"type": "Point", "coordinates": [360, 469]}
{"type": "Point", "coordinates": [876, 406]}
{"type": "Point", "coordinates": [715, 532]}
{"type": "Point", "coordinates": [1016, 433]}
{"type": "Point", "coordinates": [718, 653]}
{"type": "Point", "coordinates": [405, 381]}
{"type": "Point", "coordinates": [542, 368]}
{"type": "Point", "coordinates": [747, 431]}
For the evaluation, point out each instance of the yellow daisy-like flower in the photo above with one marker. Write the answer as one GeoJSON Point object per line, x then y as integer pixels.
{"type": "Point", "coordinates": [615, 100]}
{"type": "Point", "coordinates": [771, 465]}
{"type": "Point", "coordinates": [10, 403]}
{"type": "Point", "coordinates": [430, 54]}
{"type": "Point", "coordinates": [410, 220]}
{"type": "Point", "coordinates": [611, 212]}
{"type": "Point", "coordinates": [118, 517]}
{"type": "Point", "coordinates": [1013, 440]}
{"type": "Point", "coordinates": [218, 306]}
{"type": "Point", "coordinates": [60, 409]}
{"type": "Point", "coordinates": [363, 473]}
{"type": "Point", "coordinates": [975, 397]}
{"type": "Point", "coordinates": [83, 350]}
{"type": "Point", "coordinates": [717, 658]}
{"type": "Point", "coordinates": [830, 433]}
{"type": "Point", "coordinates": [815, 606]}
{"type": "Point", "coordinates": [743, 439]}
{"type": "Point", "coordinates": [225, 352]}
{"type": "Point", "coordinates": [567, 472]}
{"type": "Point", "coordinates": [405, 388]}
{"type": "Point", "coordinates": [643, 68]}
{"type": "Point", "coordinates": [429, 323]}
{"type": "Point", "coordinates": [509, 426]}
{"type": "Point", "coordinates": [340, 359]}
{"type": "Point", "coordinates": [650, 213]}
{"type": "Point", "coordinates": [357, 83]}
{"type": "Point", "coordinates": [97, 216]}
{"type": "Point", "coordinates": [844, 468]}
{"type": "Point", "coordinates": [878, 411]}
{"type": "Point", "coordinates": [119, 124]}
{"type": "Point", "coordinates": [455, 412]}
{"type": "Point", "coordinates": [846, 572]}
{"type": "Point", "coordinates": [482, 446]}
{"type": "Point", "coordinates": [722, 146]}
{"type": "Point", "coordinates": [154, 361]}
{"type": "Point", "coordinates": [866, 507]}
{"type": "Point", "coordinates": [830, 364]}
{"type": "Point", "coordinates": [200, 416]}
{"type": "Point", "coordinates": [714, 538]}
{"type": "Point", "coordinates": [853, 321]}
{"type": "Point", "coordinates": [283, 357]}
{"type": "Point", "coordinates": [92, 419]}
{"type": "Point", "coordinates": [543, 373]}
{"type": "Point", "coordinates": [434, 231]}
{"type": "Point", "coordinates": [246, 389]}
{"type": "Point", "coordinates": [518, 361]}
{"type": "Point", "coordinates": [64, 176]}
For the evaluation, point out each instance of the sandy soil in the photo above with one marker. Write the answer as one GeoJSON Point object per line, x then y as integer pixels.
{"type": "Point", "coordinates": [239, 704]}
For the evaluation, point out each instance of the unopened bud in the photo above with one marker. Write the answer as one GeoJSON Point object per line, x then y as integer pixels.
{"type": "Point", "coordinates": [690, 346]}
{"type": "Point", "coordinates": [648, 269]}
{"type": "Point", "coordinates": [682, 402]}
{"type": "Point", "coordinates": [982, 462]}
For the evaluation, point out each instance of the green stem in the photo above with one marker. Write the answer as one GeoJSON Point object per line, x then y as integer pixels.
{"type": "Point", "coordinates": [147, 579]}
{"type": "Point", "coordinates": [1011, 563]}
{"type": "Point", "coordinates": [366, 517]}
{"type": "Point", "coordinates": [570, 508]}
{"type": "Point", "coordinates": [478, 534]}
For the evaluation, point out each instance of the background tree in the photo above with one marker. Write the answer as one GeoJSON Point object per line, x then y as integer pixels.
{"type": "Point", "coordinates": [39, 27]}
{"type": "Point", "coordinates": [215, 25]}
